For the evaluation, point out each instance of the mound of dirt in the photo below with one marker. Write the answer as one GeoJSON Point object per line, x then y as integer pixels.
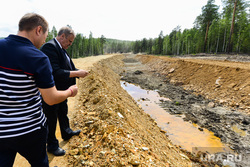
{"type": "Point", "coordinates": [115, 130]}
{"type": "Point", "coordinates": [226, 82]}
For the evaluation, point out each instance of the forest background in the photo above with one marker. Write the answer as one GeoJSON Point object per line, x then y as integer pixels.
{"type": "Point", "coordinates": [213, 32]}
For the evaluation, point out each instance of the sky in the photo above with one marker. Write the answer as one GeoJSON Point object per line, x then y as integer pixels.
{"type": "Point", "coordinates": [117, 19]}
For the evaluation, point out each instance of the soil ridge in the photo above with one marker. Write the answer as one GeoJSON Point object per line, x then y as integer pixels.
{"type": "Point", "coordinates": [199, 94]}
{"type": "Point", "coordinates": [115, 130]}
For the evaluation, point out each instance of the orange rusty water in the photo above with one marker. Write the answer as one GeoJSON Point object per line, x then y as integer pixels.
{"type": "Point", "coordinates": [184, 134]}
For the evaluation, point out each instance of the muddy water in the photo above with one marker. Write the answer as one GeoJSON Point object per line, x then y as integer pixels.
{"type": "Point", "coordinates": [229, 125]}
{"type": "Point", "coordinates": [185, 134]}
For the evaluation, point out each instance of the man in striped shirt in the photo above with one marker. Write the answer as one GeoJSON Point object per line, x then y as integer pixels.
{"type": "Point", "coordinates": [25, 75]}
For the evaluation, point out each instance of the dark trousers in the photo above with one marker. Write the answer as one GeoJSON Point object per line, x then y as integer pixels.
{"type": "Point", "coordinates": [54, 112]}
{"type": "Point", "coordinates": [32, 146]}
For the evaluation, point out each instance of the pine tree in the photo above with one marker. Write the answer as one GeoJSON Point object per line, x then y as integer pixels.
{"type": "Point", "coordinates": [209, 13]}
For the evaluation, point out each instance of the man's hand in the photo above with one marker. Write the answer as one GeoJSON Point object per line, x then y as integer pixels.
{"type": "Point", "coordinates": [73, 89]}
{"type": "Point", "coordinates": [82, 73]}
{"type": "Point", "coordinates": [78, 73]}
{"type": "Point", "coordinates": [53, 96]}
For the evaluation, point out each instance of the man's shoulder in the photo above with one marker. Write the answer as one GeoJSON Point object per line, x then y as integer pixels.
{"type": "Point", "coordinates": [51, 42]}
{"type": "Point", "coordinates": [2, 42]}
{"type": "Point", "coordinates": [33, 53]}
{"type": "Point", "coordinates": [48, 45]}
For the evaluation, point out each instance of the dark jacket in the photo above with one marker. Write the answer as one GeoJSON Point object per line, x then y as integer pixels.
{"type": "Point", "coordinates": [60, 65]}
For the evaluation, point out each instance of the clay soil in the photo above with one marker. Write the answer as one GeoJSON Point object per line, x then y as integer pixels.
{"type": "Point", "coordinates": [203, 90]}
{"type": "Point", "coordinates": [227, 82]}
{"type": "Point", "coordinates": [117, 132]}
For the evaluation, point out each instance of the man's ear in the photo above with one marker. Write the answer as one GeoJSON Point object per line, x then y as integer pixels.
{"type": "Point", "coordinates": [39, 30]}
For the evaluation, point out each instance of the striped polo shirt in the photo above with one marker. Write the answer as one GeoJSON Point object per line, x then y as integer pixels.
{"type": "Point", "coordinates": [23, 69]}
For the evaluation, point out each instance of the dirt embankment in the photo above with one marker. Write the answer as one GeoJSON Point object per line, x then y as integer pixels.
{"type": "Point", "coordinates": [115, 131]}
{"type": "Point", "coordinates": [159, 73]}
{"type": "Point", "coordinates": [226, 82]}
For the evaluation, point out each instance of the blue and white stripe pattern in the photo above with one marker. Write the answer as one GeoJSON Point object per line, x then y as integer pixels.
{"type": "Point", "coordinates": [23, 69]}
{"type": "Point", "coordinates": [20, 103]}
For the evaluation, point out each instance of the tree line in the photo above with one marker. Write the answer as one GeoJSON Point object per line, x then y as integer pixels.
{"type": "Point", "coordinates": [213, 32]}
{"type": "Point", "coordinates": [82, 46]}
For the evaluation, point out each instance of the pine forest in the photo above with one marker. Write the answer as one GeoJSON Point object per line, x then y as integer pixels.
{"type": "Point", "coordinates": [213, 32]}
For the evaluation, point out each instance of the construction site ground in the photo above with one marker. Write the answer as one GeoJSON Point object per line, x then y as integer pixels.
{"type": "Point", "coordinates": [208, 90]}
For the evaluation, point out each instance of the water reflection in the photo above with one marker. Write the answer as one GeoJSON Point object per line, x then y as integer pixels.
{"type": "Point", "coordinates": [182, 133]}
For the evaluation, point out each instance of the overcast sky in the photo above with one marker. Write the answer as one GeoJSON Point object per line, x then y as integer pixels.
{"type": "Point", "coordinates": [117, 19]}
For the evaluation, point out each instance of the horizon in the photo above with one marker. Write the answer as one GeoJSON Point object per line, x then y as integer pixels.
{"type": "Point", "coordinates": [124, 20]}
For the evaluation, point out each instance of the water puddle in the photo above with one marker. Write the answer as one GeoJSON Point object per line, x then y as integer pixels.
{"type": "Point", "coordinates": [184, 134]}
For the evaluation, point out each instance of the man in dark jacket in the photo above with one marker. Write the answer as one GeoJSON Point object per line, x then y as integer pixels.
{"type": "Point", "coordinates": [65, 74]}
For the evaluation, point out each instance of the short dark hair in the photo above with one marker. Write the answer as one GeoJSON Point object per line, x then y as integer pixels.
{"type": "Point", "coordinates": [31, 20]}
{"type": "Point", "coordinates": [66, 30]}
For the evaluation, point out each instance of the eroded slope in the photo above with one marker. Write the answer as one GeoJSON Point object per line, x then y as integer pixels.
{"type": "Point", "coordinates": [115, 131]}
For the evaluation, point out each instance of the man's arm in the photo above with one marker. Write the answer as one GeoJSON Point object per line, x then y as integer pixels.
{"type": "Point", "coordinates": [78, 73]}
{"type": "Point", "coordinates": [53, 96]}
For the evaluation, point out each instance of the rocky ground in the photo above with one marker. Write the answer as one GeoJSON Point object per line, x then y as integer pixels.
{"type": "Point", "coordinates": [222, 57]}
{"type": "Point", "coordinates": [117, 132]}
{"type": "Point", "coordinates": [213, 94]}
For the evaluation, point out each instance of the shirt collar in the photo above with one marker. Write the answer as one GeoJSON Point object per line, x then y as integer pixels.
{"type": "Point", "coordinates": [58, 43]}
{"type": "Point", "coordinates": [20, 38]}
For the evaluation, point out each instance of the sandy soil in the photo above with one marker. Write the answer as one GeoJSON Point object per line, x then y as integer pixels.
{"type": "Point", "coordinates": [85, 63]}
{"type": "Point", "coordinates": [117, 132]}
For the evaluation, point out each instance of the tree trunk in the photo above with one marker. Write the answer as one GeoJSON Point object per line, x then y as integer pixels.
{"type": "Point", "coordinates": [217, 45]}
{"type": "Point", "coordinates": [225, 33]}
{"type": "Point", "coordinates": [178, 48]}
{"type": "Point", "coordinates": [187, 46]}
{"type": "Point", "coordinates": [182, 47]}
{"type": "Point", "coordinates": [238, 43]}
{"type": "Point", "coordinates": [230, 45]}
{"type": "Point", "coordinates": [208, 47]}
{"type": "Point", "coordinates": [167, 48]}
{"type": "Point", "coordinates": [205, 44]}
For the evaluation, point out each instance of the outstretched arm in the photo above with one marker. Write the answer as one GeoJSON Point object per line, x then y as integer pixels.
{"type": "Point", "coordinates": [78, 73]}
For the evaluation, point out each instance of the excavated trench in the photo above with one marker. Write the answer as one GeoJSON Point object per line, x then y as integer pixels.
{"type": "Point", "coordinates": [177, 107]}
{"type": "Point", "coordinates": [115, 131]}
{"type": "Point", "coordinates": [195, 123]}
{"type": "Point", "coordinates": [186, 134]}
